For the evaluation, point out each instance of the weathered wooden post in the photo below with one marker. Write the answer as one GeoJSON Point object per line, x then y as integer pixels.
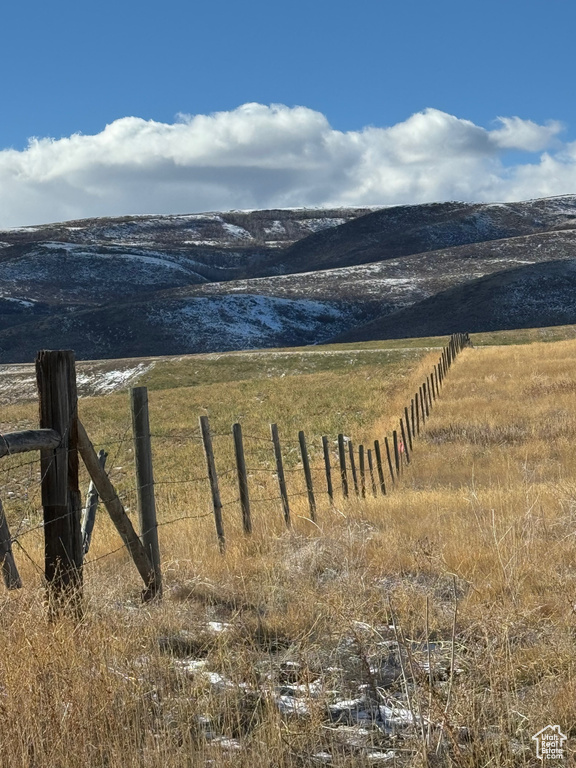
{"type": "Point", "coordinates": [404, 443]}
{"type": "Point", "coordinates": [378, 455]}
{"type": "Point", "coordinates": [342, 460]}
{"type": "Point", "coordinates": [396, 452]}
{"type": "Point", "coordinates": [425, 395]}
{"type": "Point", "coordinates": [326, 452]}
{"type": "Point", "coordinates": [422, 409]}
{"type": "Point", "coordinates": [307, 475]}
{"type": "Point", "coordinates": [362, 467]}
{"type": "Point", "coordinates": [408, 430]}
{"type": "Point", "coordinates": [213, 478]}
{"type": "Point", "coordinates": [371, 469]}
{"type": "Point", "coordinates": [123, 524]}
{"type": "Point", "coordinates": [56, 380]}
{"type": "Point", "coordinates": [145, 481]}
{"type": "Point", "coordinates": [431, 392]}
{"type": "Point", "coordinates": [242, 478]}
{"type": "Point", "coordinates": [353, 467]}
{"type": "Point", "coordinates": [389, 457]}
{"type": "Point", "coordinates": [280, 473]}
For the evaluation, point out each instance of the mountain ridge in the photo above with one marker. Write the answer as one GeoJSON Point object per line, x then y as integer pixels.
{"type": "Point", "coordinates": [223, 281]}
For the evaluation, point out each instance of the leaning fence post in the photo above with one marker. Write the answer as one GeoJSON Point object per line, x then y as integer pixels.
{"type": "Point", "coordinates": [123, 524]}
{"type": "Point", "coordinates": [56, 380]}
{"type": "Point", "coordinates": [9, 570]}
{"type": "Point", "coordinates": [89, 511]}
{"type": "Point", "coordinates": [213, 478]}
{"type": "Point", "coordinates": [145, 480]}
{"type": "Point", "coordinates": [280, 473]}
{"type": "Point", "coordinates": [342, 460]}
{"type": "Point", "coordinates": [379, 467]}
{"type": "Point", "coordinates": [307, 475]}
{"type": "Point", "coordinates": [326, 451]}
{"type": "Point", "coordinates": [242, 478]}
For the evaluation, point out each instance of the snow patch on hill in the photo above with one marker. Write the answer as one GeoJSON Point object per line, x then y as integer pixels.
{"type": "Point", "coordinates": [250, 321]}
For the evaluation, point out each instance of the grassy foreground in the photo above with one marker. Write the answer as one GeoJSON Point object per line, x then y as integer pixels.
{"type": "Point", "coordinates": [434, 626]}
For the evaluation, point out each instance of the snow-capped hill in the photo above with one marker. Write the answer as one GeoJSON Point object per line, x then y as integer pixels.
{"type": "Point", "coordinates": [274, 228]}
{"type": "Point", "coordinates": [145, 285]}
{"type": "Point", "coordinates": [404, 230]}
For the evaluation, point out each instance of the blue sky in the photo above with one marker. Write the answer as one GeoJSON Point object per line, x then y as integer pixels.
{"type": "Point", "coordinates": [71, 68]}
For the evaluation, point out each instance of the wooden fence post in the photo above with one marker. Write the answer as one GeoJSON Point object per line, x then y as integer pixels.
{"type": "Point", "coordinates": [213, 478]}
{"type": "Point", "coordinates": [405, 444]}
{"type": "Point", "coordinates": [417, 411]}
{"type": "Point", "coordinates": [408, 431]}
{"type": "Point", "coordinates": [353, 467]}
{"type": "Point", "coordinates": [342, 460]}
{"type": "Point", "coordinates": [362, 468]}
{"type": "Point", "coordinates": [389, 457]}
{"type": "Point", "coordinates": [9, 570]}
{"type": "Point", "coordinates": [145, 480]}
{"type": "Point", "coordinates": [371, 469]}
{"type": "Point", "coordinates": [56, 380]}
{"type": "Point", "coordinates": [123, 524]}
{"type": "Point", "coordinates": [307, 475]}
{"type": "Point", "coordinates": [396, 452]}
{"type": "Point", "coordinates": [422, 409]}
{"type": "Point", "coordinates": [242, 478]}
{"type": "Point", "coordinates": [379, 467]}
{"type": "Point", "coordinates": [89, 511]}
{"type": "Point", "coordinates": [280, 473]}
{"type": "Point", "coordinates": [425, 394]}
{"type": "Point", "coordinates": [326, 452]}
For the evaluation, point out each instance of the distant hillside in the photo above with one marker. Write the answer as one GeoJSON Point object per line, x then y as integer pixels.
{"type": "Point", "coordinates": [178, 326]}
{"type": "Point", "coordinates": [525, 297]}
{"type": "Point", "coordinates": [404, 230]}
{"type": "Point", "coordinates": [147, 285]}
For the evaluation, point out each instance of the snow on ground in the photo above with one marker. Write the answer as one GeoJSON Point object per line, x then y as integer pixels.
{"type": "Point", "coordinates": [238, 233]}
{"type": "Point", "coordinates": [103, 382]}
{"type": "Point", "coordinates": [246, 321]}
{"type": "Point", "coordinates": [275, 228]}
{"type": "Point", "coordinates": [18, 382]}
{"type": "Point", "coordinates": [316, 225]}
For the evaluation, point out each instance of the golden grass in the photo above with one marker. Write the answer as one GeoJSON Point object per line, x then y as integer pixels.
{"type": "Point", "coordinates": [483, 522]}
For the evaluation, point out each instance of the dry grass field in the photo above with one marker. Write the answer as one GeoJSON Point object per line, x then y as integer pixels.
{"type": "Point", "coordinates": [435, 626]}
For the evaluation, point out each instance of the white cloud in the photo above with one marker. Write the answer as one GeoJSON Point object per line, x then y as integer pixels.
{"type": "Point", "coordinates": [524, 134]}
{"type": "Point", "coordinates": [260, 156]}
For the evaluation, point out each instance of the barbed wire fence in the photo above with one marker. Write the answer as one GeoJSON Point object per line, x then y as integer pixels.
{"type": "Point", "coordinates": [252, 470]}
